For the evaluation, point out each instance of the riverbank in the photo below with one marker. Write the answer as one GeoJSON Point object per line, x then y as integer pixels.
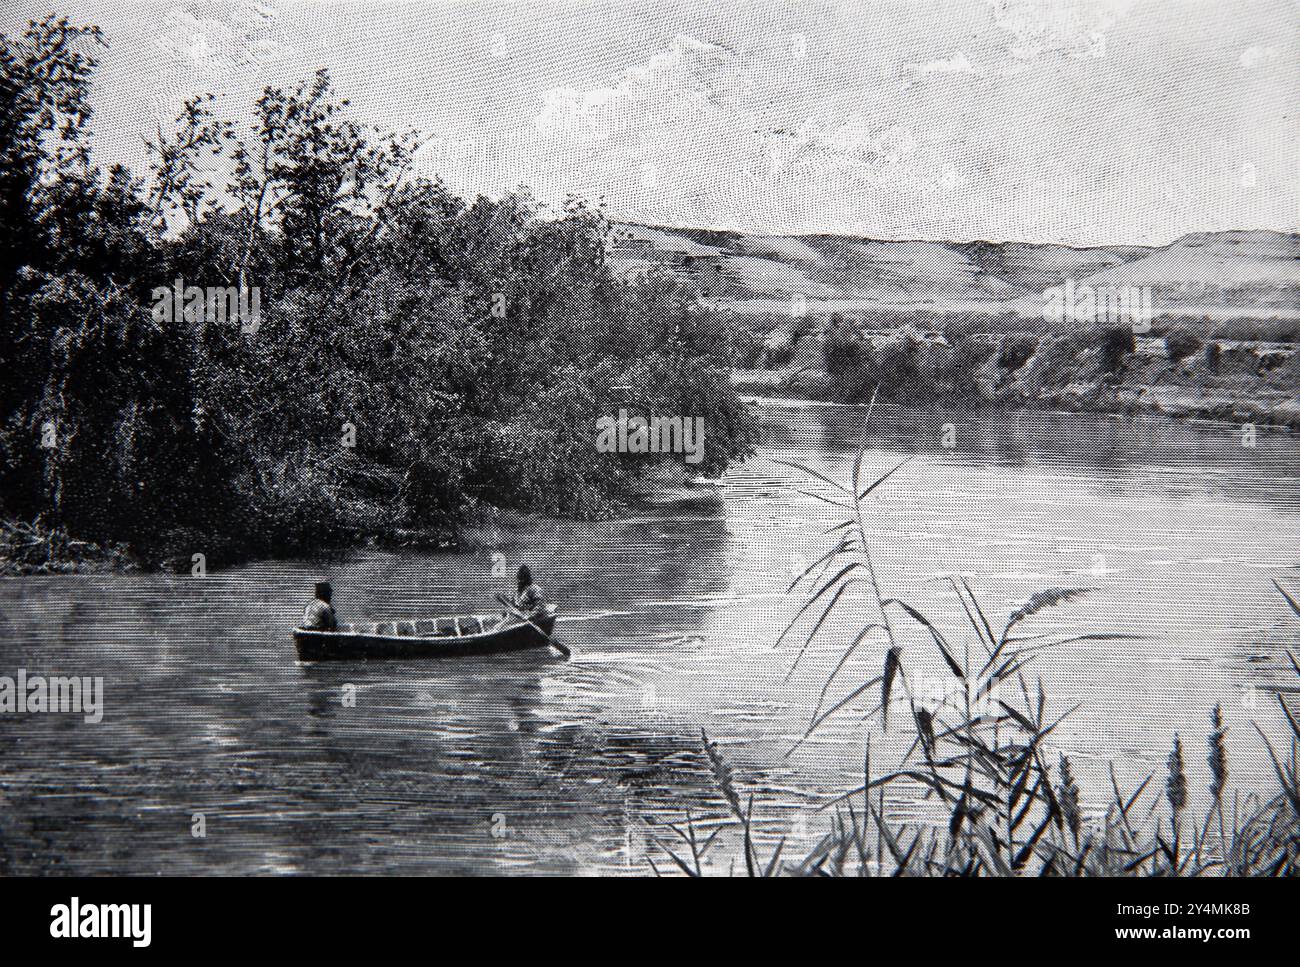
{"type": "Point", "coordinates": [1275, 409]}
{"type": "Point", "coordinates": [1240, 382]}
{"type": "Point", "coordinates": [27, 549]}
{"type": "Point", "coordinates": [32, 549]}
{"type": "Point", "coordinates": [1241, 398]}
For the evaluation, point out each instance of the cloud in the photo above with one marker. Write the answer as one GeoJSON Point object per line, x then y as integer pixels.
{"type": "Point", "coordinates": [1054, 28]}
{"type": "Point", "coordinates": [688, 78]}
{"type": "Point", "coordinates": [958, 63]}
{"type": "Point", "coordinates": [853, 152]}
{"type": "Point", "coordinates": [1040, 30]}
{"type": "Point", "coordinates": [1253, 57]}
{"type": "Point", "coordinates": [695, 133]}
{"type": "Point", "coordinates": [251, 36]}
{"type": "Point", "coordinates": [458, 152]}
{"type": "Point", "coordinates": [853, 142]}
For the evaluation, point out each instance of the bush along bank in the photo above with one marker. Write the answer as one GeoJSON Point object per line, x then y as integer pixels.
{"type": "Point", "coordinates": [281, 338]}
{"type": "Point", "coordinates": [1171, 370]}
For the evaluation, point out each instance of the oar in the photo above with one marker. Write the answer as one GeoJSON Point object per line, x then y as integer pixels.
{"type": "Point", "coordinates": [523, 617]}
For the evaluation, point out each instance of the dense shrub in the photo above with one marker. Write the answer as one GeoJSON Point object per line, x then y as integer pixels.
{"type": "Point", "coordinates": [1015, 350]}
{"type": "Point", "coordinates": [1180, 343]}
{"type": "Point", "coordinates": [1056, 362]}
{"type": "Point", "coordinates": [748, 351]}
{"type": "Point", "coordinates": [889, 368]}
{"type": "Point", "coordinates": [843, 351]}
{"type": "Point", "coordinates": [779, 356]}
{"type": "Point", "coordinates": [1288, 374]}
{"type": "Point", "coordinates": [906, 366]}
{"type": "Point", "coordinates": [1116, 344]}
{"type": "Point", "coordinates": [967, 360]}
{"type": "Point", "coordinates": [418, 356]}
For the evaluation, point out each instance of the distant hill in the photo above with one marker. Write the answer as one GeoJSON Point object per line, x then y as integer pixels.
{"type": "Point", "coordinates": [1223, 273]}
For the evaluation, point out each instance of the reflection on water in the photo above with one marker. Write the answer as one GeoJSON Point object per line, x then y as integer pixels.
{"type": "Point", "coordinates": [528, 762]}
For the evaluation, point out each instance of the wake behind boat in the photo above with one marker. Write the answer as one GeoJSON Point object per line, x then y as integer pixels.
{"type": "Point", "coordinates": [427, 638]}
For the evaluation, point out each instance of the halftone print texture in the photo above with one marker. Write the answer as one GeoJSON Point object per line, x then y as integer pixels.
{"type": "Point", "coordinates": [649, 438]}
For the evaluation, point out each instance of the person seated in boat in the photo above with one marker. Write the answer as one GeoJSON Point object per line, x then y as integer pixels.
{"type": "Point", "coordinates": [319, 615]}
{"type": "Point", "coordinates": [528, 599]}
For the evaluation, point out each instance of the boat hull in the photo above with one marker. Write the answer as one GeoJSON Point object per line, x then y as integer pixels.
{"type": "Point", "coordinates": [367, 645]}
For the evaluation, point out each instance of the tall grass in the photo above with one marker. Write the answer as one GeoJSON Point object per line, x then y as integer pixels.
{"type": "Point", "coordinates": [982, 751]}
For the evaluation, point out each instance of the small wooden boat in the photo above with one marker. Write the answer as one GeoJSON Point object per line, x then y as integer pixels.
{"type": "Point", "coordinates": [430, 638]}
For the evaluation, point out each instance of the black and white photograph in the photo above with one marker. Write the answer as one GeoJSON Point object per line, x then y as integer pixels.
{"type": "Point", "coordinates": [650, 439]}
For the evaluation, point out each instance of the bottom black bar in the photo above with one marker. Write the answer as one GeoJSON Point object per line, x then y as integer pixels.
{"type": "Point", "coordinates": [338, 916]}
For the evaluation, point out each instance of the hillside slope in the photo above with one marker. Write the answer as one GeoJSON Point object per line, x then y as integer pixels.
{"type": "Point", "coordinates": [1256, 272]}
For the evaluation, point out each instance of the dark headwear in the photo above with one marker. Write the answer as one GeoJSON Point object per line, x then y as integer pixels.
{"type": "Point", "coordinates": [525, 577]}
{"type": "Point", "coordinates": [323, 590]}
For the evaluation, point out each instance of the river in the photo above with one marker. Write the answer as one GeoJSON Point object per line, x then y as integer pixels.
{"type": "Point", "coordinates": [527, 762]}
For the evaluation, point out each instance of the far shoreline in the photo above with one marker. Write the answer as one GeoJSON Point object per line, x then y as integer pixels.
{"type": "Point", "coordinates": [1146, 405]}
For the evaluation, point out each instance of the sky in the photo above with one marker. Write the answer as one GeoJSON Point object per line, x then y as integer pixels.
{"type": "Point", "coordinates": [1082, 122]}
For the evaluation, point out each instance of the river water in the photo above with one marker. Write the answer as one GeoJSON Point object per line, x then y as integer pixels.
{"type": "Point", "coordinates": [527, 762]}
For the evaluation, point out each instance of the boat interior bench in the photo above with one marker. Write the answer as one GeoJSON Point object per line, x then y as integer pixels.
{"type": "Point", "coordinates": [427, 628]}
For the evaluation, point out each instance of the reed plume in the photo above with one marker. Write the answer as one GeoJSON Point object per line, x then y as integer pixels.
{"type": "Point", "coordinates": [1176, 784]}
{"type": "Point", "coordinates": [1067, 795]}
{"type": "Point", "coordinates": [1218, 757]}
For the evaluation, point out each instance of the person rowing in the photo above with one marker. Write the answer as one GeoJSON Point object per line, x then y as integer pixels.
{"type": "Point", "coordinates": [320, 615]}
{"type": "Point", "coordinates": [528, 605]}
{"type": "Point", "coordinates": [527, 598]}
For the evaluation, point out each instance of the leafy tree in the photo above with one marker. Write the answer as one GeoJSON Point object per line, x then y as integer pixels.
{"type": "Point", "coordinates": [469, 345]}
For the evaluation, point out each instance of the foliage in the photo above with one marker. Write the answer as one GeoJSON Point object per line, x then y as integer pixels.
{"type": "Point", "coordinates": [1116, 344]}
{"type": "Point", "coordinates": [904, 366]}
{"type": "Point", "coordinates": [466, 347]}
{"type": "Point", "coordinates": [1180, 343]}
{"type": "Point", "coordinates": [1016, 350]}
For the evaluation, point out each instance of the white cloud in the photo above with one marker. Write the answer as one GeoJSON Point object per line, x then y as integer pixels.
{"type": "Point", "coordinates": [853, 142]}
{"type": "Point", "coordinates": [688, 78]}
{"type": "Point", "coordinates": [853, 152]}
{"type": "Point", "coordinates": [958, 63]}
{"type": "Point", "coordinates": [251, 36]}
{"type": "Point", "coordinates": [1040, 30]}
{"type": "Point", "coordinates": [1043, 28]}
{"type": "Point", "coordinates": [437, 152]}
{"type": "Point", "coordinates": [1253, 57]}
